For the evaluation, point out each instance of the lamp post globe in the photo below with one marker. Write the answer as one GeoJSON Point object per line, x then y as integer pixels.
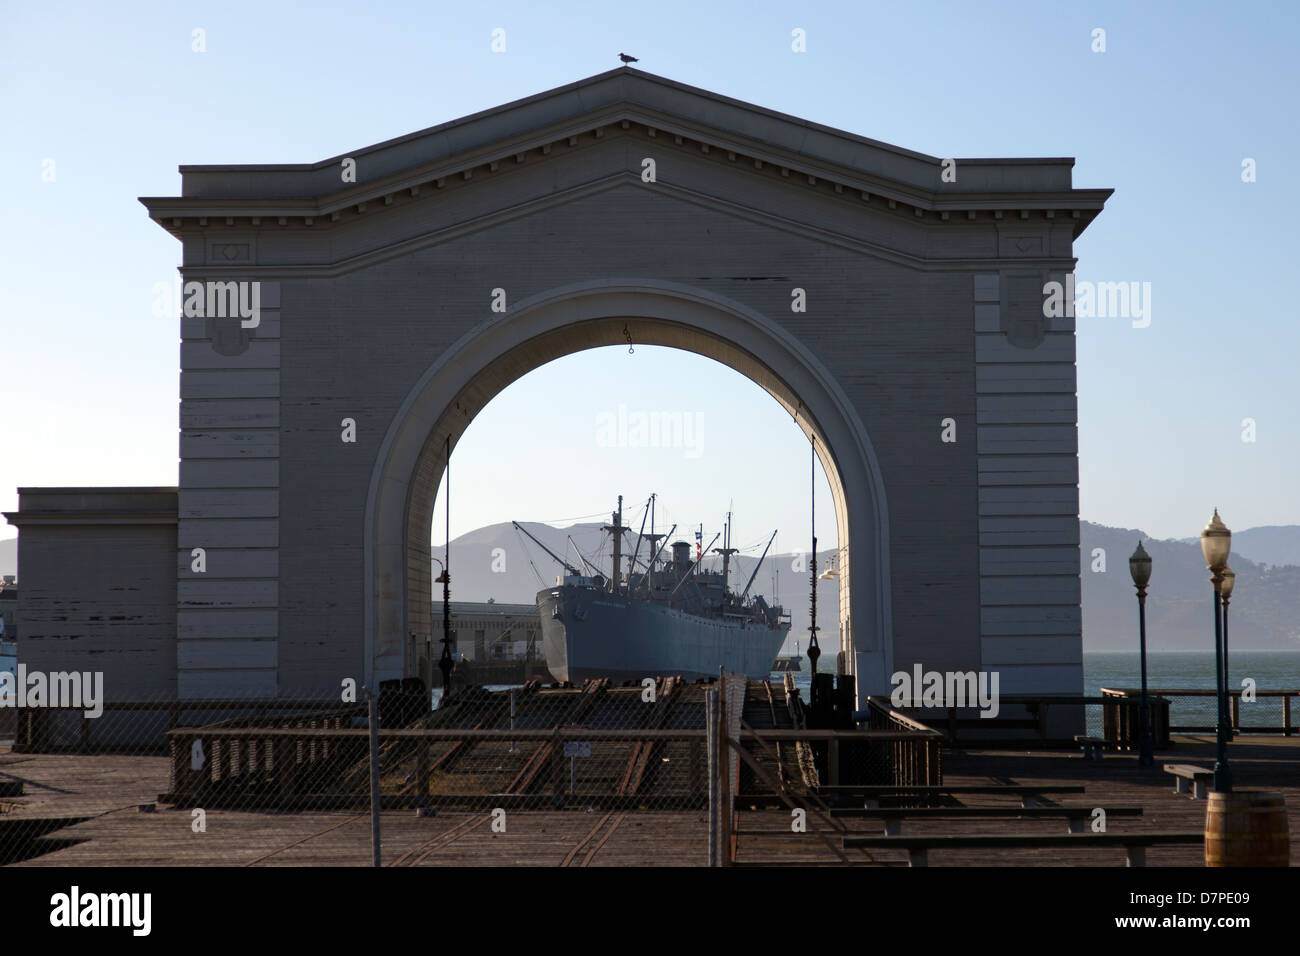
{"type": "Point", "coordinates": [1216, 543]}
{"type": "Point", "coordinates": [1139, 566]}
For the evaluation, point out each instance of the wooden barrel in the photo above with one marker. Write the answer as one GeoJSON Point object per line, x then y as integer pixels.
{"type": "Point", "coordinates": [1247, 828]}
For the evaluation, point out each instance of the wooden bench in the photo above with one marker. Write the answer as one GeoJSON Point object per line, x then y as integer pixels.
{"type": "Point", "coordinates": [1076, 818]}
{"type": "Point", "coordinates": [872, 793]}
{"type": "Point", "coordinates": [1198, 777]}
{"type": "Point", "coordinates": [918, 847]}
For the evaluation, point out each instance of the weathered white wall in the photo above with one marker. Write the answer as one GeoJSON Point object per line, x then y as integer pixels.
{"type": "Point", "coordinates": [98, 588]}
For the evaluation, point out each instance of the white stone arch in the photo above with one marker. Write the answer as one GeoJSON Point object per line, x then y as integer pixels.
{"type": "Point", "coordinates": [572, 318]}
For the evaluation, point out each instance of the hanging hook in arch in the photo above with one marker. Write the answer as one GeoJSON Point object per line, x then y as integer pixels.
{"type": "Point", "coordinates": [628, 335]}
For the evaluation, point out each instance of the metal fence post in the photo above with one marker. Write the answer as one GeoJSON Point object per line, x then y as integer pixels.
{"type": "Point", "coordinates": [715, 804]}
{"type": "Point", "coordinates": [727, 850]}
{"type": "Point", "coordinates": [373, 708]}
{"type": "Point", "coordinates": [513, 712]}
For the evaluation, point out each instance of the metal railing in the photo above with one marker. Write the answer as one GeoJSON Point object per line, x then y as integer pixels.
{"type": "Point", "coordinates": [914, 759]}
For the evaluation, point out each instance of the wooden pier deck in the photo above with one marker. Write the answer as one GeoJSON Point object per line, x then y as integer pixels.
{"type": "Point", "coordinates": [108, 789]}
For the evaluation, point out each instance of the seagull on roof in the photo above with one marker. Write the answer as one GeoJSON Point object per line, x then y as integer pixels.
{"type": "Point", "coordinates": [628, 59]}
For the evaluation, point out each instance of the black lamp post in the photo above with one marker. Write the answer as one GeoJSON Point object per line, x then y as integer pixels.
{"type": "Point", "coordinates": [1216, 543]}
{"type": "Point", "coordinates": [1139, 566]}
{"type": "Point", "coordinates": [445, 663]}
{"type": "Point", "coordinates": [1225, 592]}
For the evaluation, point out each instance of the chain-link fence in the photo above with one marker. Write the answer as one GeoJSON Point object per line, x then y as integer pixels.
{"type": "Point", "coordinates": [281, 776]}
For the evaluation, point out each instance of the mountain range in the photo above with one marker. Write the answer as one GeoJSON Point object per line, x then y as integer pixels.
{"type": "Point", "coordinates": [1264, 611]}
{"type": "Point", "coordinates": [496, 562]}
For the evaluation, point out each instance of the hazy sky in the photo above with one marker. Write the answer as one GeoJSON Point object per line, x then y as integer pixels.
{"type": "Point", "coordinates": [115, 96]}
{"type": "Point", "coordinates": [723, 443]}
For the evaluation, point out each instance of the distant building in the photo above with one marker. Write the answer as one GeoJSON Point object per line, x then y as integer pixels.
{"type": "Point", "coordinates": [9, 608]}
{"type": "Point", "coordinates": [490, 632]}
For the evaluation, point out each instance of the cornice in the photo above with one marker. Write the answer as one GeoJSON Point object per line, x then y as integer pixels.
{"type": "Point", "coordinates": [407, 246]}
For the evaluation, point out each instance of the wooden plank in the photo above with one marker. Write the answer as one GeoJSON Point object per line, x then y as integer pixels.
{"type": "Point", "coordinates": [1011, 840]}
{"type": "Point", "coordinates": [958, 788]}
{"type": "Point", "coordinates": [937, 813]}
{"type": "Point", "coordinates": [93, 787]}
{"type": "Point", "coordinates": [548, 734]}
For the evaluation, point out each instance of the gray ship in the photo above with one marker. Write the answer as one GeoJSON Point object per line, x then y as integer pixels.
{"type": "Point", "coordinates": [660, 618]}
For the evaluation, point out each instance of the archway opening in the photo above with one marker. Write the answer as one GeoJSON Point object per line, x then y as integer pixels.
{"type": "Point", "coordinates": [460, 384]}
{"type": "Point", "coordinates": [687, 441]}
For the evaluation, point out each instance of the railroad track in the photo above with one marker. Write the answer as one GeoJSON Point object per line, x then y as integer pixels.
{"type": "Point", "coordinates": [780, 757]}
{"type": "Point", "coordinates": [597, 838]}
{"type": "Point", "coordinates": [442, 840]}
{"type": "Point", "coordinates": [310, 836]}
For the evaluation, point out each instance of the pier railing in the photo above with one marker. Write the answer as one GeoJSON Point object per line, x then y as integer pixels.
{"type": "Point", "coordinates": [140, 726]}
{"type": "Point", "coordinates": [525, 768]}
{"type": "Point", "coordinates": [1113, 715]}
{"type": "Point", "coordinates": [914, 760]}
{"type": "Point", "coordinates": [1193, 710]}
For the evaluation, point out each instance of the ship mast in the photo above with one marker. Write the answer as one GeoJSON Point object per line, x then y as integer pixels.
{"type": "Point", "coordinates": [654, 552]}
{"type": "Point", "coordinates": [616, 529]}
{"type": "Point", "coordinates": [631, 558]}
{"type": "Point", "coordinates": [726, 551]}
{"type": "Point", "coordinates": [655, 557]}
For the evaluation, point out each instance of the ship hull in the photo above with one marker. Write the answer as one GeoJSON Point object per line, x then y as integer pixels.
{"type": "Point", "coordinates": [593, 634]}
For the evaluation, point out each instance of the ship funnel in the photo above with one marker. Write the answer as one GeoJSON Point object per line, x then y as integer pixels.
{"type": "Point", "coordinates": [682, 555]}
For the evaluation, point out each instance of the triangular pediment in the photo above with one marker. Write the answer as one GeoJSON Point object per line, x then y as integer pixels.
{"type": "Point", "coordinates": [625, 102]}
